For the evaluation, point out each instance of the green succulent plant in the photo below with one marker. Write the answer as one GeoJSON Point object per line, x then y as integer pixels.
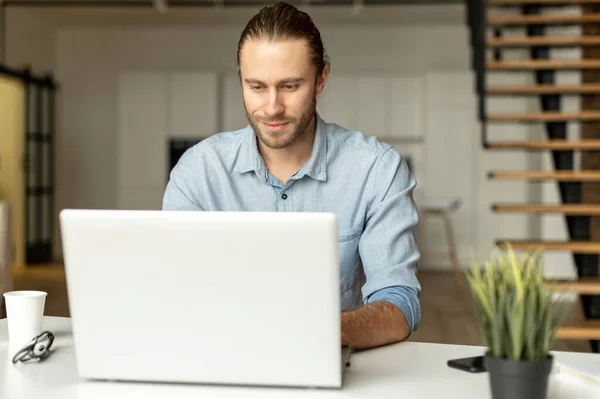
{"type": "Point", "coordinates": [518, 312]}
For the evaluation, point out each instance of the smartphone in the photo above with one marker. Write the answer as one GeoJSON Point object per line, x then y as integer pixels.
{"type": "Point", "coordinates": [470, 364]}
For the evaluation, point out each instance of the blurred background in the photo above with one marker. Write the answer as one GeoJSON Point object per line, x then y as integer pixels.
{"type": "Point", "coordinates": [99, 99]}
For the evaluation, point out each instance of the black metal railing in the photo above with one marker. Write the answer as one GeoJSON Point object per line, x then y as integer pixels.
{"type": "Point", "coordinates": [476, 19]}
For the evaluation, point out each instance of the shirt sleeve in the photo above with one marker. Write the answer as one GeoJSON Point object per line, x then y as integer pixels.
{"type": "Point", "coordinates": [405, 299]}
{"type": "Point", "coordinates": [388, 247]}
{"type": "Point", "coordinates": [183, 190]}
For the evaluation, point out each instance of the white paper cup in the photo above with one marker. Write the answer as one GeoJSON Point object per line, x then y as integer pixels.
{"type": "Point", "coordinates": [24, 312]}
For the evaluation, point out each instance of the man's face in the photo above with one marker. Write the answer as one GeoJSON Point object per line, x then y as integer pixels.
{"type": "Point", "coordinates": [280, 88]}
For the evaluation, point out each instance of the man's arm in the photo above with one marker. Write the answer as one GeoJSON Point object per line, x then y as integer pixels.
{"type": "Point", "coordinates": [389, 255]}
{"type": "Point", "coordinates": [183, 191]}
{"type": "Point", "coordinates": [376, 324]}
{"type": "Point", "coordinates": [390, 315]}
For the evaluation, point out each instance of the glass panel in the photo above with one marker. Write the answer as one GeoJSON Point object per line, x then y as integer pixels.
{"type": "Point", "coordinates": [32, 236]}
{"type": "Point", "coordinates": [46, 128]}
{"type": "Point", "coordinates": [33, 159]}
{"type": "Point", "coordinates": [46, 166]}
{"type": "Point", "coordinates": [32, 125]}
{"type": "Point", "coordinates": [46, 218]}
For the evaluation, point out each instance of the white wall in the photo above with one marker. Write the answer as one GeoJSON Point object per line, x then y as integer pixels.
{"type": "Point", "coordinates": [30, 40]}
{"type": "Point", "coordinates": [152, 108]}
{"type": "Point", "coordinates": [90, 61]}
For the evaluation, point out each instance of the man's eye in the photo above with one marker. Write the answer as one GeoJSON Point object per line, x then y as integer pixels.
{"type": "Point", "coordinates": [256, 87]}
{"type": "Point", "coordinates": [290, 87]}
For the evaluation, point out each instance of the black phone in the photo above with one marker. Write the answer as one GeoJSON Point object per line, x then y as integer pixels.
{"type": "Point", "coordinates": [470, 364]}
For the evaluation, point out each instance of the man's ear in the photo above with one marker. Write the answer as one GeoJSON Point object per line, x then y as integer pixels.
{"type": "Point", "coordinates": [322, 80]}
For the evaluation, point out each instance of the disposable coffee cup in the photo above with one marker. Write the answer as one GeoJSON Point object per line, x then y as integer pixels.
{"type": "Point", "coordinates": [24, 313]}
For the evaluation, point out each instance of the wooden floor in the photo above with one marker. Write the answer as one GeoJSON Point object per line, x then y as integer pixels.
{"type": "Point", "coordinates": [446, 309]}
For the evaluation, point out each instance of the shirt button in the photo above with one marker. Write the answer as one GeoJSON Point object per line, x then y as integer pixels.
{"type": "Point", "coordinates": [284, 196]}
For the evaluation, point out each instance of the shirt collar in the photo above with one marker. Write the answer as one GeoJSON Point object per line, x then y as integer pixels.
{"type": "Point", "coordinates": [316, 167]}
{"type": "Point", "coordinates": [249, 158]}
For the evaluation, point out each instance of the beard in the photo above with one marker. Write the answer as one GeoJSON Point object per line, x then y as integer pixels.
{"type": "Point", "coordinates": [295, 129]}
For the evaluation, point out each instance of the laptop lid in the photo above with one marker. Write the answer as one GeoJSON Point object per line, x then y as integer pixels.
{"type": "Point", "coordinates": [208, 297]}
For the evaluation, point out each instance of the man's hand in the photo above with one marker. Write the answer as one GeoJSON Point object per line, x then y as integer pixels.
{"type": "Point", "coordinates": [376, 324]}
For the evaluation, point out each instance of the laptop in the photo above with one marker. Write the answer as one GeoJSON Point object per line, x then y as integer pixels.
{"type": "Point", "coordinates": [235, 298]}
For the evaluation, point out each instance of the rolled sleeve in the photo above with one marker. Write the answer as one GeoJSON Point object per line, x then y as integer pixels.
{"type": "Point", "coordinates": [388, 245]}
{"type": "Point", "coordinates": [405, 299]}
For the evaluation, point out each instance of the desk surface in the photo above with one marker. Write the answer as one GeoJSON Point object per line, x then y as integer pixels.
{"type": "Point", "coordinates": [407, 370]}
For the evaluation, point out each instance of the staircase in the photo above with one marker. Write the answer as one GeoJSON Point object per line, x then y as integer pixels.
{"type": "Point", "coordinates": [488, 27]}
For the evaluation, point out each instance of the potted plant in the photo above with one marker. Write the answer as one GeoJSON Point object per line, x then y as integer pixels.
{"type": "Point", "coordinates": [518, 315]}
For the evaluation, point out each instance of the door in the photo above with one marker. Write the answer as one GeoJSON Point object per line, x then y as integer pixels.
{"type": "Point", "coordinates": [12, 172]}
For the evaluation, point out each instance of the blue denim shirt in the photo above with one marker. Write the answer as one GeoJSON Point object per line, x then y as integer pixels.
{"type": "Point", "coordinates": [367, 184]}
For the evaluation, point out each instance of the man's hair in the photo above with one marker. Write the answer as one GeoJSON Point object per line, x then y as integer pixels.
{"type": "Point", "coordinates": [284, 21]}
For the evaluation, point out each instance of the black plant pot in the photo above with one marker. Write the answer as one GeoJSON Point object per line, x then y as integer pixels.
{"type": "Point", "coordinates": [512, 379]}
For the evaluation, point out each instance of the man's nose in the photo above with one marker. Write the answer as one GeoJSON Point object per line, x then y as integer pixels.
{"type": "Point", "coordinates": [275, 104]}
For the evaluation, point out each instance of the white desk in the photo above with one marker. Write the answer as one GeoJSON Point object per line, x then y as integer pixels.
{"type": "Point", "coordinates": [406, 370]}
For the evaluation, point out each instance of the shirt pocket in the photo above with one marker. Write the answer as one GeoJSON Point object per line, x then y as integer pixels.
{"type": "Point", "coordinates": [348, 240]}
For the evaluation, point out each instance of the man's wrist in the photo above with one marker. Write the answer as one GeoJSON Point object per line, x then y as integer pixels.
{"type": "Point", "coordinates": [375, 324]}
{"type": "Point", "coordinates": [345, 328]}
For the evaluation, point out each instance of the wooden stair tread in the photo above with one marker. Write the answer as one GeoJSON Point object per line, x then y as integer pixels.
{"type": "Point", "coordinates": [584, 175]}
{"type": "Point", "coordinates": [546, 117]}
{"type": "Point", "coordinates": [587, 330]}
{"type": "Point", "coordinates": [516, 20]}
{"type": "Point", "coordinates": [579, 247]}
{"type": "Point", "coordinates": [581, 286]}
{"type": "Point", "coordinates": [517, 65]}
{"type": "Point", "coordinates": [555, 41]}
{"type": "Point", "coordinates": [556, 145]}
{"type": "Point", "coordinates": [549, 2]}
{"type": "Point", "coordinates": [566, 209]}
{"type": "Point", "coordinates": [587, 88]}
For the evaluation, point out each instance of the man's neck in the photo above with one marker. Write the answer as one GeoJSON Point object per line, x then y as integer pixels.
{"type": "Point", "coordinates": [283, 163]}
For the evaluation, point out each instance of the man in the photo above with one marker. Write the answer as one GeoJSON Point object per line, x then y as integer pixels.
{"type": "Point", "coordinates": [289, 160]}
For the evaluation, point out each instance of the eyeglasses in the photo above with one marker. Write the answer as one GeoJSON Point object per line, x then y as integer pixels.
{"type": "Point", "coordinates": [38, 348]}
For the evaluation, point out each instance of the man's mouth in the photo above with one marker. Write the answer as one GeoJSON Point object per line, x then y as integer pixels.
{"type": "Point", "coordinates": [275, 126]}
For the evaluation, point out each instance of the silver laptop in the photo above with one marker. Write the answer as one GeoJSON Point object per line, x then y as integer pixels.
{"type": "Point", "coordinates": [205, 297]}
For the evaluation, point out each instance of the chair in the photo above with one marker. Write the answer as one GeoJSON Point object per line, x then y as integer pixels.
{"type": "Point", "coordinates": [5, 257]}
{"type": "Point", "coordinates": [443, 209]}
